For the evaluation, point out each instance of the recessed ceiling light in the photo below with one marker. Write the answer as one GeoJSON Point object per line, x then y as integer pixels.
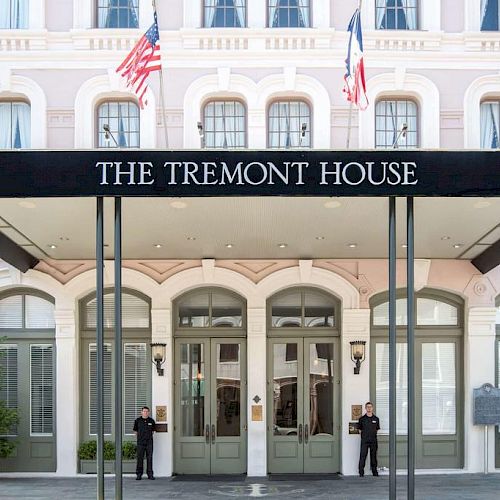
{"type": "Point", "coordinates": [320, 238]}
{"type": "Point", "coordinates": [482, 204]}
{"type": "Point", "coordinates": [157, 245]}
{"type": "Point", "coordinates": [191, 238]}
{"type": "Point", "coordinates": [332, 204]}
{"type": "Point", "coordinates": [27, 204]}
{"type": "Point", "coordinates": [106, 245]}
{"type": "Point", "coordinates": [282, 245]}
{"type": "Point", "coordinates": [178, 204]}
{"type": "Point", "coordinates": [404, 245]}
{"type": "Point", "coordinates": [458, 245]}
{"type": "Point", "coordinates": [444, 238]}
{"type": "Point", "coordinates": [52, 246]}
{"type": "Point", "coordinates": [352, 245]}
{"type": "Point", "coordinates": [63, 238]}
{"type": "Point", "coordinates": [229, 245]}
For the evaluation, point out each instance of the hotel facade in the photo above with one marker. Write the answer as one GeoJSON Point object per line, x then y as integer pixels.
{"type": "Point", "coordinates": [256, 299]}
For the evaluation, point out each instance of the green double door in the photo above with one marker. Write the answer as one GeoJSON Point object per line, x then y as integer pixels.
{"type": "Point", "coordinates": [303, 405]}
{"type": "Point", "coordinates": [210, 406]}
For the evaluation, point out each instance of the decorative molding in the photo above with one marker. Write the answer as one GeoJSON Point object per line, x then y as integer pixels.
{"type": "Point", "coordinates": [60, 118]}
{"type": "Point", "coordinates": [256, 270]}
{"type": "Point", "coordinates": [480, 291]}
{"type": "Point", "coordinates": [161, 270]}
{"type": "Point", "coordinates": [64, 270]}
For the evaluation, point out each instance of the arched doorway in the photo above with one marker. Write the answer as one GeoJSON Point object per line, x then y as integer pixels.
{"type": "Point", "coordinates": [438, 378]}
{"type": "Point", "coordinates": [28, 378]}
{"type": "Point", "coordinates": [210, 383]}
{"type": "Point", "coordinates": [303, 382]}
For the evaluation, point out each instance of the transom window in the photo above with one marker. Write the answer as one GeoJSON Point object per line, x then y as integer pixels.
{"type": "Point", "coordinates": [490, 15]}
{"type": "Point", "coordinates": [118, 13]}
{"type": "Point", "coordinates": [15, 125]}
{"type": "Point", "coordinates": [289, 124]}
{"type": "Point", "coordinates": [26, 312]}
{"type": "Point", "coordinates": [302, 308]}
{"type": "Point", "coordinates": [210, 308]}
{"type": "Point", "coordinates": [224, 124]}
{"type": "Point", "coordinates": [397, 14]}
{"type": "Point", "coordinates": [396, 123]}
{"type": "Point", "coordinates": [225, 13]}
{"type": "Point", "coordinates": [490, 124]}
{"type": "Point", "coordinates": [122, 120]}
{"type": "Point", "coordinates": [289, 13]}
{"type": "Point", "coordinates": [14, 14]}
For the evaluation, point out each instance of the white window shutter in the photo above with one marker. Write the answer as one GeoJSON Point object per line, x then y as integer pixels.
{"type": "Point", "coordinates": [136, 371]}
{"type": "Point", "coordinates": [11, 312]}
{"type": "Point", "coordinates": [42, 389]}
{"type": "Point", "coordinates": [9, 386]}
{"type": "Point", "coordinates": [108, 369]}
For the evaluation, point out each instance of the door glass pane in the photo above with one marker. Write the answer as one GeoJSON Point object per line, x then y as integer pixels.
{"type": "Point", "coordinates": [192, 379]}
{"type": "Point", "coordinates": [438, 388]}
{"type": "Point", "coordinates": [382, 387]}
{"type": "Point", "coordinates": [318, 310]}
{"type": "Point", "coordinates": [228, 389]}
{"type": "Point", "coordinates": [285, 373]}
{"type": "Point", "coordinates": [321, 389]}
{"type": "Point", "coordinates": [287, 310]}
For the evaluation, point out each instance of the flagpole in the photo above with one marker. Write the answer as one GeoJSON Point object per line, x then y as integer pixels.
{"type": "Point", "coordinates": [349, 120]}
{"type": "Point", "coordinates": [162, 95]}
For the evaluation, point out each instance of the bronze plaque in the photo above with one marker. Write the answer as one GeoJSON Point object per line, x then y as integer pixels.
{"type": "Point", "coordinates": [354, 428]}
{"type": "Point", "coordinates": [161, 428]}
{"type": "Point", "coordinates": [356, 412]}
{"type": "Point", "coordinates": [256, 413]}
{"type": "Point", "coordinates": [161, 413]}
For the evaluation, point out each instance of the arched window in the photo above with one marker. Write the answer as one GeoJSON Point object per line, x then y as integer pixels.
{"type": "Point", "coordinates": [490, 15]}
{"type": "Point", "coordinates": [224, 13]}
{"type": "Point", "coordinates": [118, 13]}
{"type": "Point", "coordinates": [438, 374]}
{"type": "Point", "coordinates": [210, 308]}
{"type": "Point", "coordinates": [14, 14]}
{"type": "Point", "coordinates": [15, 125]}
{"type": "Point", "coordinates": [397, 14]}
{"type": "Point", "coordinates": [289, 124]}
{"type": "Point", "coordinates": [391, 117]}
{"type": "Point", "coordinates": [27, 382]}
{"type": "Point", "coordinates": [136, 334]}
{"type": "Point", "coordinates": [289, 13]}
{"type": "Point", "coordinates": [118, 125]}
{"type": "Point", "coordinates": [224, 124]}
{"type": "Point", "coordinates": [490, 124]}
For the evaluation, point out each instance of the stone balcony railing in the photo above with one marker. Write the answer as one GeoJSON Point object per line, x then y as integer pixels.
{"type": "Point", "coordinates": [482, 42]}
{"type": "Point", "coordinates": [21, 40]}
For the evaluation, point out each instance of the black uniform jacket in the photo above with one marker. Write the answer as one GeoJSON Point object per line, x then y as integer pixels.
{"type": "Point", "coordinates": [144, 428]}
{"type": "Point", "coordinates": [369, 427]}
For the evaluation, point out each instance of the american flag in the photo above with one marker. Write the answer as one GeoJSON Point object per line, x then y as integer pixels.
{"type": "Point", "coordinates": [355, 86]}
{"type": "Point", "coordinates": [142, 60]}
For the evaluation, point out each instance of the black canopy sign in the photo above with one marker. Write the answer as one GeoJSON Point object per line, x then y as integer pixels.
{"type": "Point", "coordinates": [249, 173]}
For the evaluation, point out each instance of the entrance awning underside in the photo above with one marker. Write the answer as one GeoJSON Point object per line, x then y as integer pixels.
{"type": "Point", "coordinates": [253, 228]}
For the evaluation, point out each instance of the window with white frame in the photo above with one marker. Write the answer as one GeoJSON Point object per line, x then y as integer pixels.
{"type": "Point", "coordinates": [9, 379]}
{"type": "Point", "coordinates": [289, 124]}
{"type": "Point", "coordinates": [224, 13]}
{"type": "Point", "coordinates": [396, 123]}
{"type": "Point", "coordinates": [15, 125]}
{"type": "Point", "coordinates": [42, 389]}
{"type": "Point", "coordinates": [289, 13]}
{"type": "Point", "coordinates": [396, 14]}
{"type": "Point", "coordinates": [490, 124]}
{"type": "Point", "coordinates": [118, 125]}
{"type": "Point", "coordinates": [490, 15]}
{"type": "Point", "coordinates": [224, 124]}
{"type": "Point", "coordinates": [118, 13]}
{"type": "Point", "coordinates": [14, 14]}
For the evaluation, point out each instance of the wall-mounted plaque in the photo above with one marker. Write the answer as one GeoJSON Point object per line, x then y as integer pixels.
{"type": "Point", "coordinates": [354, 428]}
{"type": "Point", "coordinates": [161, 414]}
{"type": "Point", "coordinates": [486, 405]}
{"type": "Point", "coordinates": [356, 412]}
{"type": "Point", "coordinates": [161, 427]}
{"type": "Point", "coordinates": [256, 413]}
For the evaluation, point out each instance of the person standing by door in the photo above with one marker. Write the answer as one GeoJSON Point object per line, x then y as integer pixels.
{"type": "Point", "coordinates": [144, 428]}
{"type": "Point", "coordinates": [369, 425]}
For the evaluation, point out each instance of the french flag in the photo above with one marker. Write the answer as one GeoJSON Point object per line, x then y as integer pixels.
{"type": "Point", "coordinates": [355, 86]}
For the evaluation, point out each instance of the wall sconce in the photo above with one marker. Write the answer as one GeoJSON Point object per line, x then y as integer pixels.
{"type": "Point", "coordinates": [357, 354]}
{"type": "Point", "coordinates": [158, 355]}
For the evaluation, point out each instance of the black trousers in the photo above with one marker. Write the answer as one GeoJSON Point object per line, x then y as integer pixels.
{"type": "Point", "coordinates": [144, 448]}
{"type": "Point", "coordinates": [373, 445]}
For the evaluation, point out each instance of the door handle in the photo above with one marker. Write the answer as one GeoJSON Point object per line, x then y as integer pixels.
{"type": "Point", "coordinates": [300, 433]}
{"type": "Point", "coordinates": [306, 434]}
{"type": "Point", "coordinates": [213, 433]}
{"type": "Point", "coordinates": [207, 434]}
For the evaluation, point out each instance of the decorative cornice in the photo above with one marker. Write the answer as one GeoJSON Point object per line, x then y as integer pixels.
{"type": "Point", "coordinates": [64, 270]}
{"type": "Point", "coordinates": [256, 270]}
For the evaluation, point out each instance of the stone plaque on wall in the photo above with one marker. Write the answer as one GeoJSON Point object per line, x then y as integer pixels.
{"type": "Point", "coordinates": [486, 405]}
{"type": "Point", "coordinates": [356, 412]}
{"type": "Point", "coordinates": [256, 413]}
{"type": "Point", "coordinates": [161, 414]}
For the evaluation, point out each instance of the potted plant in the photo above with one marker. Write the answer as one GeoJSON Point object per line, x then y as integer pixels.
{"type": "Point", "coordinates": [87, 453]}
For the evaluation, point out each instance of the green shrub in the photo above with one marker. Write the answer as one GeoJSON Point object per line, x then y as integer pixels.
{"type": "Point", "coordinates": [88, 450]}
{"type": "Point", "coordinates": [129, 450]}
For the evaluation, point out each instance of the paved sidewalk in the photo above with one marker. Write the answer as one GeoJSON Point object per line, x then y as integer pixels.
{"type": "Point", "coordinates": [456, 487]}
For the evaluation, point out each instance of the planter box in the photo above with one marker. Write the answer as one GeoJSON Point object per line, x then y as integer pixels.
{"type": "Point", "coordinates": [90, 466]}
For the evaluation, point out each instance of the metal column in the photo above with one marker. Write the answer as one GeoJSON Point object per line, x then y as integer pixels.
{"type": "Point", "coordinates": [410, 283]}
{"type": "Point", "coordinates": [392, 348]}
{"type": "Point", "coordinates": [118, 350]}
{"type": "Point", "coordinates": [100, 345]}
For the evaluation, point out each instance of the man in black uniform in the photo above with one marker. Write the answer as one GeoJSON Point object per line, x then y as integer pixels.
{"type": "Point", "coordinates": [144, 428]}
{"type": "Point", "coordinates": [369, 424]}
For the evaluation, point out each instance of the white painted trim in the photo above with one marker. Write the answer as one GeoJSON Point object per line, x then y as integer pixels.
{"type": "Point", "coordinates": [110, 86]}
{"type": "Point", "coordinates": [256, 14]}
{"type": "Point", "coordinates": [85, 13]}
{"type": "Point", "coordinates": [36, 15]}
{"type": "Point", "coordinates": [320, 14]}
{"type": "Point", "coordinates": [402, 84]}
{"type": "Point", "coordinates": [13, 86]}
{"type": "Point", "coordinates": [193, 14]}
{"type": "Point", "coordinates": [477, 90]}
{"type": "Point", "coordinates": [472, 15]}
